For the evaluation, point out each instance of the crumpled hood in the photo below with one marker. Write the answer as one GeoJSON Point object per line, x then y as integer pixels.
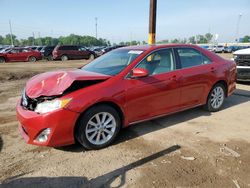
{"type": "Point", "coordinates": [55, 83]}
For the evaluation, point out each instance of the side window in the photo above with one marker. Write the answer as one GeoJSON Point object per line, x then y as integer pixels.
{"type": "Point", "coordinates": [190, 57]}
{"type": "Point", "coordinates": [82, 49]}
{"type": "Point", "coordinates": [14, 51]}
{"type": "Point", "coordinates": [159, 62]}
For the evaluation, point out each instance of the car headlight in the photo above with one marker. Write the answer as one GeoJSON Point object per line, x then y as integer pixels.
{"type": "Point", "coordinates": [235, 56]}
{"type": "Point", "coordinates": [49, 106]}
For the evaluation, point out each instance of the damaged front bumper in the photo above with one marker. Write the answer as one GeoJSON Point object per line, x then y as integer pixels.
{"type": "Point", "coordinates": [60, 122]}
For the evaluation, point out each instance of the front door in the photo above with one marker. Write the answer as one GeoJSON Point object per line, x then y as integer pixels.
{"type": "Point", "coordinates": [156, 94]}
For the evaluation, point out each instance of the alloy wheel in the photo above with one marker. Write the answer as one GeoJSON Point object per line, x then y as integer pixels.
{"type": "Point", "coordinates": [100, 128]}
{"type": "Point", "coordinates": [217, 97]}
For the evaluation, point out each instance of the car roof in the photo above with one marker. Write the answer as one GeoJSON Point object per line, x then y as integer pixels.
{"type": "Point", "coordinates": [157, 46]}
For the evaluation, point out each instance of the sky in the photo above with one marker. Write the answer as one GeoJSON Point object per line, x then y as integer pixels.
{"type": "Point", "coordinates": [125, 20]}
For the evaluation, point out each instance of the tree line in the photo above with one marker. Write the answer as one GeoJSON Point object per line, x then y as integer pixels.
{"type": "Point", "coordinates": [73, 39]}
{"type": "Point", "coordinates": [50, 41]}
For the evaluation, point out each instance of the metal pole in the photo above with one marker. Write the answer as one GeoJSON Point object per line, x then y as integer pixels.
{"type": "Point", "coordinates": [11, 37]}
{"type": "Point", "coordinates": [238, 28]}
{"type": "Point", "coordinates": [33, 43]}
{"type": "Point", "coordinates": [96, 27]}
{"type": "Point", "coordinates": [152, 21]}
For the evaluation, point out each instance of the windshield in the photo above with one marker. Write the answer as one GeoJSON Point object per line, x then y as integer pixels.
{"type": "Point", "coordinates": [113, 62]}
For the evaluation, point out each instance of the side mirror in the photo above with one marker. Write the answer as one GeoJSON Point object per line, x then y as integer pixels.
{"type": "Point", "coordinates": [139, 73]}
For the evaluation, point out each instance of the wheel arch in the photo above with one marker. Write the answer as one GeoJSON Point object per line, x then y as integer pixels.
{"type": "Point", "coordinates": [224, 83]}
{"type": "Point", "coordinates": [108, 103]}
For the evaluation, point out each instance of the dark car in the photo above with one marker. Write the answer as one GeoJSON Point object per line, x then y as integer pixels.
{"type": "Point", "coordinates": [20, 54]}
{"type": "Point", "coordinates": [47, 52]}
{"type": "Point", "coordinates": [98, 50]}
{"type": "Point", "coordinates": [72, 52]}
{"type": "Point", "coordinates": [110, 48]}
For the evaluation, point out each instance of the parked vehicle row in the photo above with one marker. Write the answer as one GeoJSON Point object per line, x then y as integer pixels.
{"type": "Point", "coordinates": [59, 52]}
{"type": "Point", "coordinates": [223, 49]}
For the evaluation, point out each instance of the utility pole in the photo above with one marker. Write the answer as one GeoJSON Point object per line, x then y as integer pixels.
{"type": "Point", "coordinates": [152, 21]}
{"type": "Point", "coordinates": [11, 36]}
{"type": "Point", "coordinates": [40, 40]}
{"type": "Point", "coordinates": [238, 28]}
{"type": "Point", "coordinates": [96, 27]}
{"type": "Point", "coordinates": [33, 42]}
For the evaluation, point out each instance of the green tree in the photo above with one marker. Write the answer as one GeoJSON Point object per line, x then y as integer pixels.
{"type": "Point", "coordinates": [246, 39]}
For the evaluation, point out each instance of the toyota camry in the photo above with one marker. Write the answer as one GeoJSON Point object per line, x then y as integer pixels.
{"type": "Point", "coordinates": [128, 85]}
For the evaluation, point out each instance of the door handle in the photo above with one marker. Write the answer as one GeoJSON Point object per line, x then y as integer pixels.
{"type": "Point", "coordinates": [173, 78]}
{"type": "Point", "coordinates": [212, 69]}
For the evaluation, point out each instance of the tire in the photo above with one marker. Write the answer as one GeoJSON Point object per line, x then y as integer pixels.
{"type": "Point", "coordinates": [32, 59]}
{"type": "Point", "coordinates": [88, 130]}
{"type": "Point", "coordinates": [50, 58]}
{"type": "Point", "coordinates": [91, 57]}
{"type": "Point", "coordinates": [64, 58]}
{"type": "Point", "coordinates": [2, 60]}
{"type": "Point", "coordinates": [216, 98]}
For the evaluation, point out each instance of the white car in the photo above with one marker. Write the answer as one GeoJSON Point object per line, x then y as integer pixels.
{"type": "Point", "coordinates": [242, 59]}
{"type": "Point", "coordinates": [218, 49]}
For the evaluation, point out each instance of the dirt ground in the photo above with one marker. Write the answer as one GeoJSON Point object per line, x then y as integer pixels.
{"type": "Point", "coordinates": [193, 148]}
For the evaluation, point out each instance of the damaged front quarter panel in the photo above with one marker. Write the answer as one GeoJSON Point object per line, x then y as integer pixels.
{"type": "Point", "coordinates": [51, 85]}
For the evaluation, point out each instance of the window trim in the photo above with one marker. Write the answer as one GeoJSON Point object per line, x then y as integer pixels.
{"type": "Point", "coordinates": [179, 60]}
{"type": "Point", "coordinates": [174, 59]}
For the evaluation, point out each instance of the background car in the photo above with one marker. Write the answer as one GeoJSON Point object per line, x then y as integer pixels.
{"type": "Point", "coordinates": [218, 49]}
{"type": "Point", "coordinates": [72, 52]}
{"type": "Point", "coordinates": [47, 52]}
{"type": "Point", "coordinates": [110, 48]}
{"type": "Point", "coordinates": [242, 59]}
{"type": "Point", "coordinates": [20, 54]}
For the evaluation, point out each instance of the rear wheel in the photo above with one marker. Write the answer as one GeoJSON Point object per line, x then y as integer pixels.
{"type": "Point", "coordinates": [32, 59]}
{"type": "Point", "coordinates": [64, 58]}
{"type": "Point", "coordinates": [91, 57]}
{"type": "Point", "coordinates": [2, 60]}
{"type": "Point", "coordinates": [98, 127]}
{"type": "Point", "coordinates": [216, 98]}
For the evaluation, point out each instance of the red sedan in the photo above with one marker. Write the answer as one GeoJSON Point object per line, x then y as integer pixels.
{"type": "Point", "coordinates": [121, 88]}
{"type": "Point", "coordinates": [20, 54]}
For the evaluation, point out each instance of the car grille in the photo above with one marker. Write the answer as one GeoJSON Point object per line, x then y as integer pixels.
{"type": "Point", "coordinates": [243, 60]}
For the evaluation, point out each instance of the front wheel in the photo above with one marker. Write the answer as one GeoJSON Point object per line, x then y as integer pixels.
{"type": "Point", "coordinates": [216, 98]}
{"type": "Point", "coordinates": [2, 60]}
{"type": "Point", "coordinates": [98, 127]}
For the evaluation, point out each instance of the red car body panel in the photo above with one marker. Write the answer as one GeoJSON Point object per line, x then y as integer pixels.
{"type": "Point", "coordinates": [31, 124]}
{"type": "Point", "coordinates": [21, 56]}
{"type": "Point", "coordinates": [55, 83]}
{"type": "Point", "coordinates": [138, 99]}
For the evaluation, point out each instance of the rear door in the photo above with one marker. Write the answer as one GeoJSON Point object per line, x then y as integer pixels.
{"type": "Point", "coordinates": [157, 93]}
{"type": "Point", "coordinates": [24, 54]}
{"type": "Point", "coordinates": [197, 72]}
